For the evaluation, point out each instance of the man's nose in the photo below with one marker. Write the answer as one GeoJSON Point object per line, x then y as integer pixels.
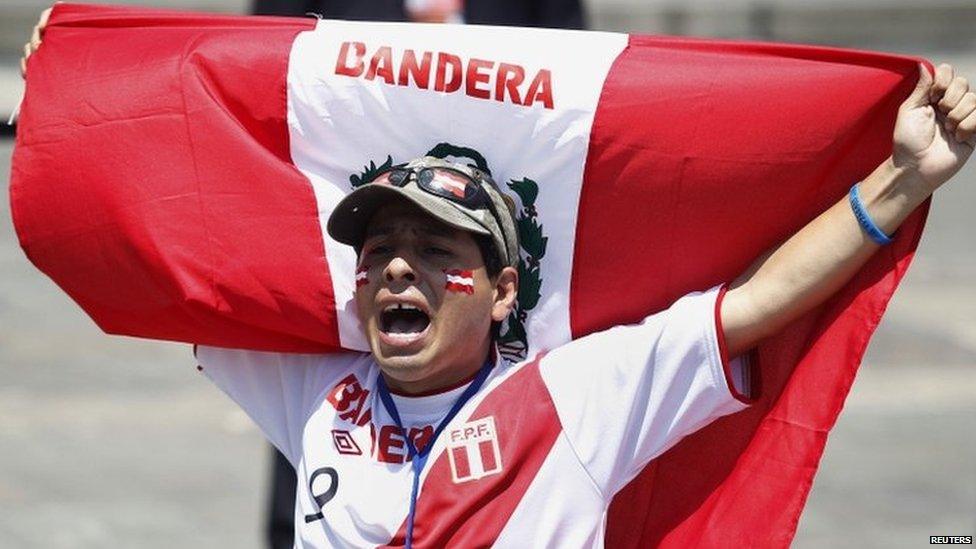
{"type": "Point", "coordinates": [399, 269]}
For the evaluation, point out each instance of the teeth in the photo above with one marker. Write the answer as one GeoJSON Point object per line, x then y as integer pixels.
{"type": "Point", "coordinates": [404, 336]}
{"type": "Point", "coordinates": [401, 306]}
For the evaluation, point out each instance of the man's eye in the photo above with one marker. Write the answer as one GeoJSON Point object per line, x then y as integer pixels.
{"type": "Point", "coordinates": [377, 250]}
{"type": "Point", "coordinates": [434, 250]}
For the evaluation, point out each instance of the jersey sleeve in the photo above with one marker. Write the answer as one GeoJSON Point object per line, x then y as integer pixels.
{"type": "Point", "coordinates": [629, 393]}
{"type": "Point", "coordinates": [277, 390]}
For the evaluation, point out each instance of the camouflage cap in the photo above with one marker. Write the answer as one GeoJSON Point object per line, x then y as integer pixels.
{"type": "Point", "coordinates": [496, 219]}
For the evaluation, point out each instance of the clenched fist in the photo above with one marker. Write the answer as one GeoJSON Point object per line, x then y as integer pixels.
{"type": "Point", "coordinates": [936, 128]}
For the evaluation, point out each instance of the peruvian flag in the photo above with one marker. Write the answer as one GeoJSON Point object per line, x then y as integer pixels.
{"type": "Point", "coordinates": [174, 172]}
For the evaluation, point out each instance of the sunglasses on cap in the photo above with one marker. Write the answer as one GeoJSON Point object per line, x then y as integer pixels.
{"type": "Point", "coordinates": [446, 183]}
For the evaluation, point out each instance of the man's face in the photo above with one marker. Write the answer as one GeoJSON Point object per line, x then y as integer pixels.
{"type": "Point", "coordinates": [419, 327]}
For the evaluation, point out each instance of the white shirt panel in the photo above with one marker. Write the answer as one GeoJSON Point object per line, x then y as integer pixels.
{"type": "Point", "coordinates": [627, 394]}
{"type": "Point", "coordinates": [562, 507]}
{"type": "Point", "coordinates": [279, 391]}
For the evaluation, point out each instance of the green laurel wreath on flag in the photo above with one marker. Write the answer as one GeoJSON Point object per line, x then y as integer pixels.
{"type": "Point", "coordinates": [513, 342]}
{"type": "Point", "coordinates": [370, 172]}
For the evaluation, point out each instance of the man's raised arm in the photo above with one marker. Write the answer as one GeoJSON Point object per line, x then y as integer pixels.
{"type": "Point", "coordinates": [935, 134]}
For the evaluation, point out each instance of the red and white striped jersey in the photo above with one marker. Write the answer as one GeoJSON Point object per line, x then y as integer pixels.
{"type": "Point", "coordinates": [533, 459]}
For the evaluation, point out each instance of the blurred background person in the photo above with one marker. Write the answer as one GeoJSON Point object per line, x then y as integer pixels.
{"type": "Point", "coordinates": [567, 14]}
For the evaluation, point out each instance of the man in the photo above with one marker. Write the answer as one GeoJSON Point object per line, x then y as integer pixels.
{"type": "Point", "coordinates": [433, 439]}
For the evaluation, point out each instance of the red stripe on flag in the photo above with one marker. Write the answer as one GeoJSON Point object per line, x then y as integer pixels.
{"type": "Point", "coordinates": [472, 514]}
{"type": "Point", "coordinates": [711, 187]}
{"type": "Point", "coordinates": [175, 232]}
{"type": "Point", "coordinates": [487, 451]}
{"type": "Point", "coordinates": [461, 466]}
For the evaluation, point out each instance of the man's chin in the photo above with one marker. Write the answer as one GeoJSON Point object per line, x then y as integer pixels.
{"type": "Point", "coordinates": [400, 370]}
{"type": "Point", "coordinates": [400, 354]}
{"type": "Point", "coordinates": [403, 363]}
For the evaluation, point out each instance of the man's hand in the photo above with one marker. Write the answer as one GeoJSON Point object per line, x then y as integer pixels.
{"type": "Point", "coordinates": [935, 133]}
{"type": "Point", "coordinates": [936, 128]}
{"type": "Point", "coordinates": [35, 40]}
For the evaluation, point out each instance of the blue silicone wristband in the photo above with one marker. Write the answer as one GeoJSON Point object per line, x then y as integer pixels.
{"type": "Point", "coordinates": [865, 220]}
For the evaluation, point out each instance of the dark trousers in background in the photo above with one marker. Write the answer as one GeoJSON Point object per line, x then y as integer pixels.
{"type": "Point", "coordinates": [280, 527]}
{"type": "Point", "coordinates": [561, 14]}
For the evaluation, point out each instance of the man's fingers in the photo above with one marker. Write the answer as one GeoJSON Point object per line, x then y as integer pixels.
{"type": "Point", "coordinates": [35, 40]}
{"type": "Point", "coordinates": [944, 74]}
{"type": "Point", "coordinates": [45, 15]}
{"type": "Point", "coordinates": [23, 60]}
{"type": "Point", "coordinates": [920, 95]}
{"type": "Point", "coordinates": [953, 94]}
{"type": "Point", "coordinates": [965, 107]}
{"type": "Point", "coordinates": [966, 129]}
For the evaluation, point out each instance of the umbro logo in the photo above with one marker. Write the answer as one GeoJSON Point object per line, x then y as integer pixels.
{"type": "Point", "coordinates": [473, 451]}
{"type": "Point", "coordinates": [344, 443]}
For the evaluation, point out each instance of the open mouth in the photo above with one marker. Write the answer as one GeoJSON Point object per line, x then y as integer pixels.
{"type": "Point", "coordinates": [403, 320]}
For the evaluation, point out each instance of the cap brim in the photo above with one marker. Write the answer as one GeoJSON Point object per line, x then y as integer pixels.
{"type": "Point", "coordinates": [348, 221]}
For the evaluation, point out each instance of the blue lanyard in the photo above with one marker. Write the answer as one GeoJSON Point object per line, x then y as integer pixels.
{"type": "Point", "coordinates": [419, 459]}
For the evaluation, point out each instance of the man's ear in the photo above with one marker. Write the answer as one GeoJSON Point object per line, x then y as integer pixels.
{"type": "Point", "coordinates": [506, 291]}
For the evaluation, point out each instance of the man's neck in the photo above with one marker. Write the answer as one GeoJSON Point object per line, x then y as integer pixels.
{"type": "Point", "coordinates": [444, 380]}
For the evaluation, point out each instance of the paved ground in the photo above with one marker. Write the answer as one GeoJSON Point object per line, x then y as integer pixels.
{"type": "Point", "coordinates": [108, 442]}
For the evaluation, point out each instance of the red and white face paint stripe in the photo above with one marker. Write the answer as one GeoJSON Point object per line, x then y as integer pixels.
{"type": "Point", "coordinates": [459, 281]}
{"type": "Point", "coordinates": [362, 276]}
